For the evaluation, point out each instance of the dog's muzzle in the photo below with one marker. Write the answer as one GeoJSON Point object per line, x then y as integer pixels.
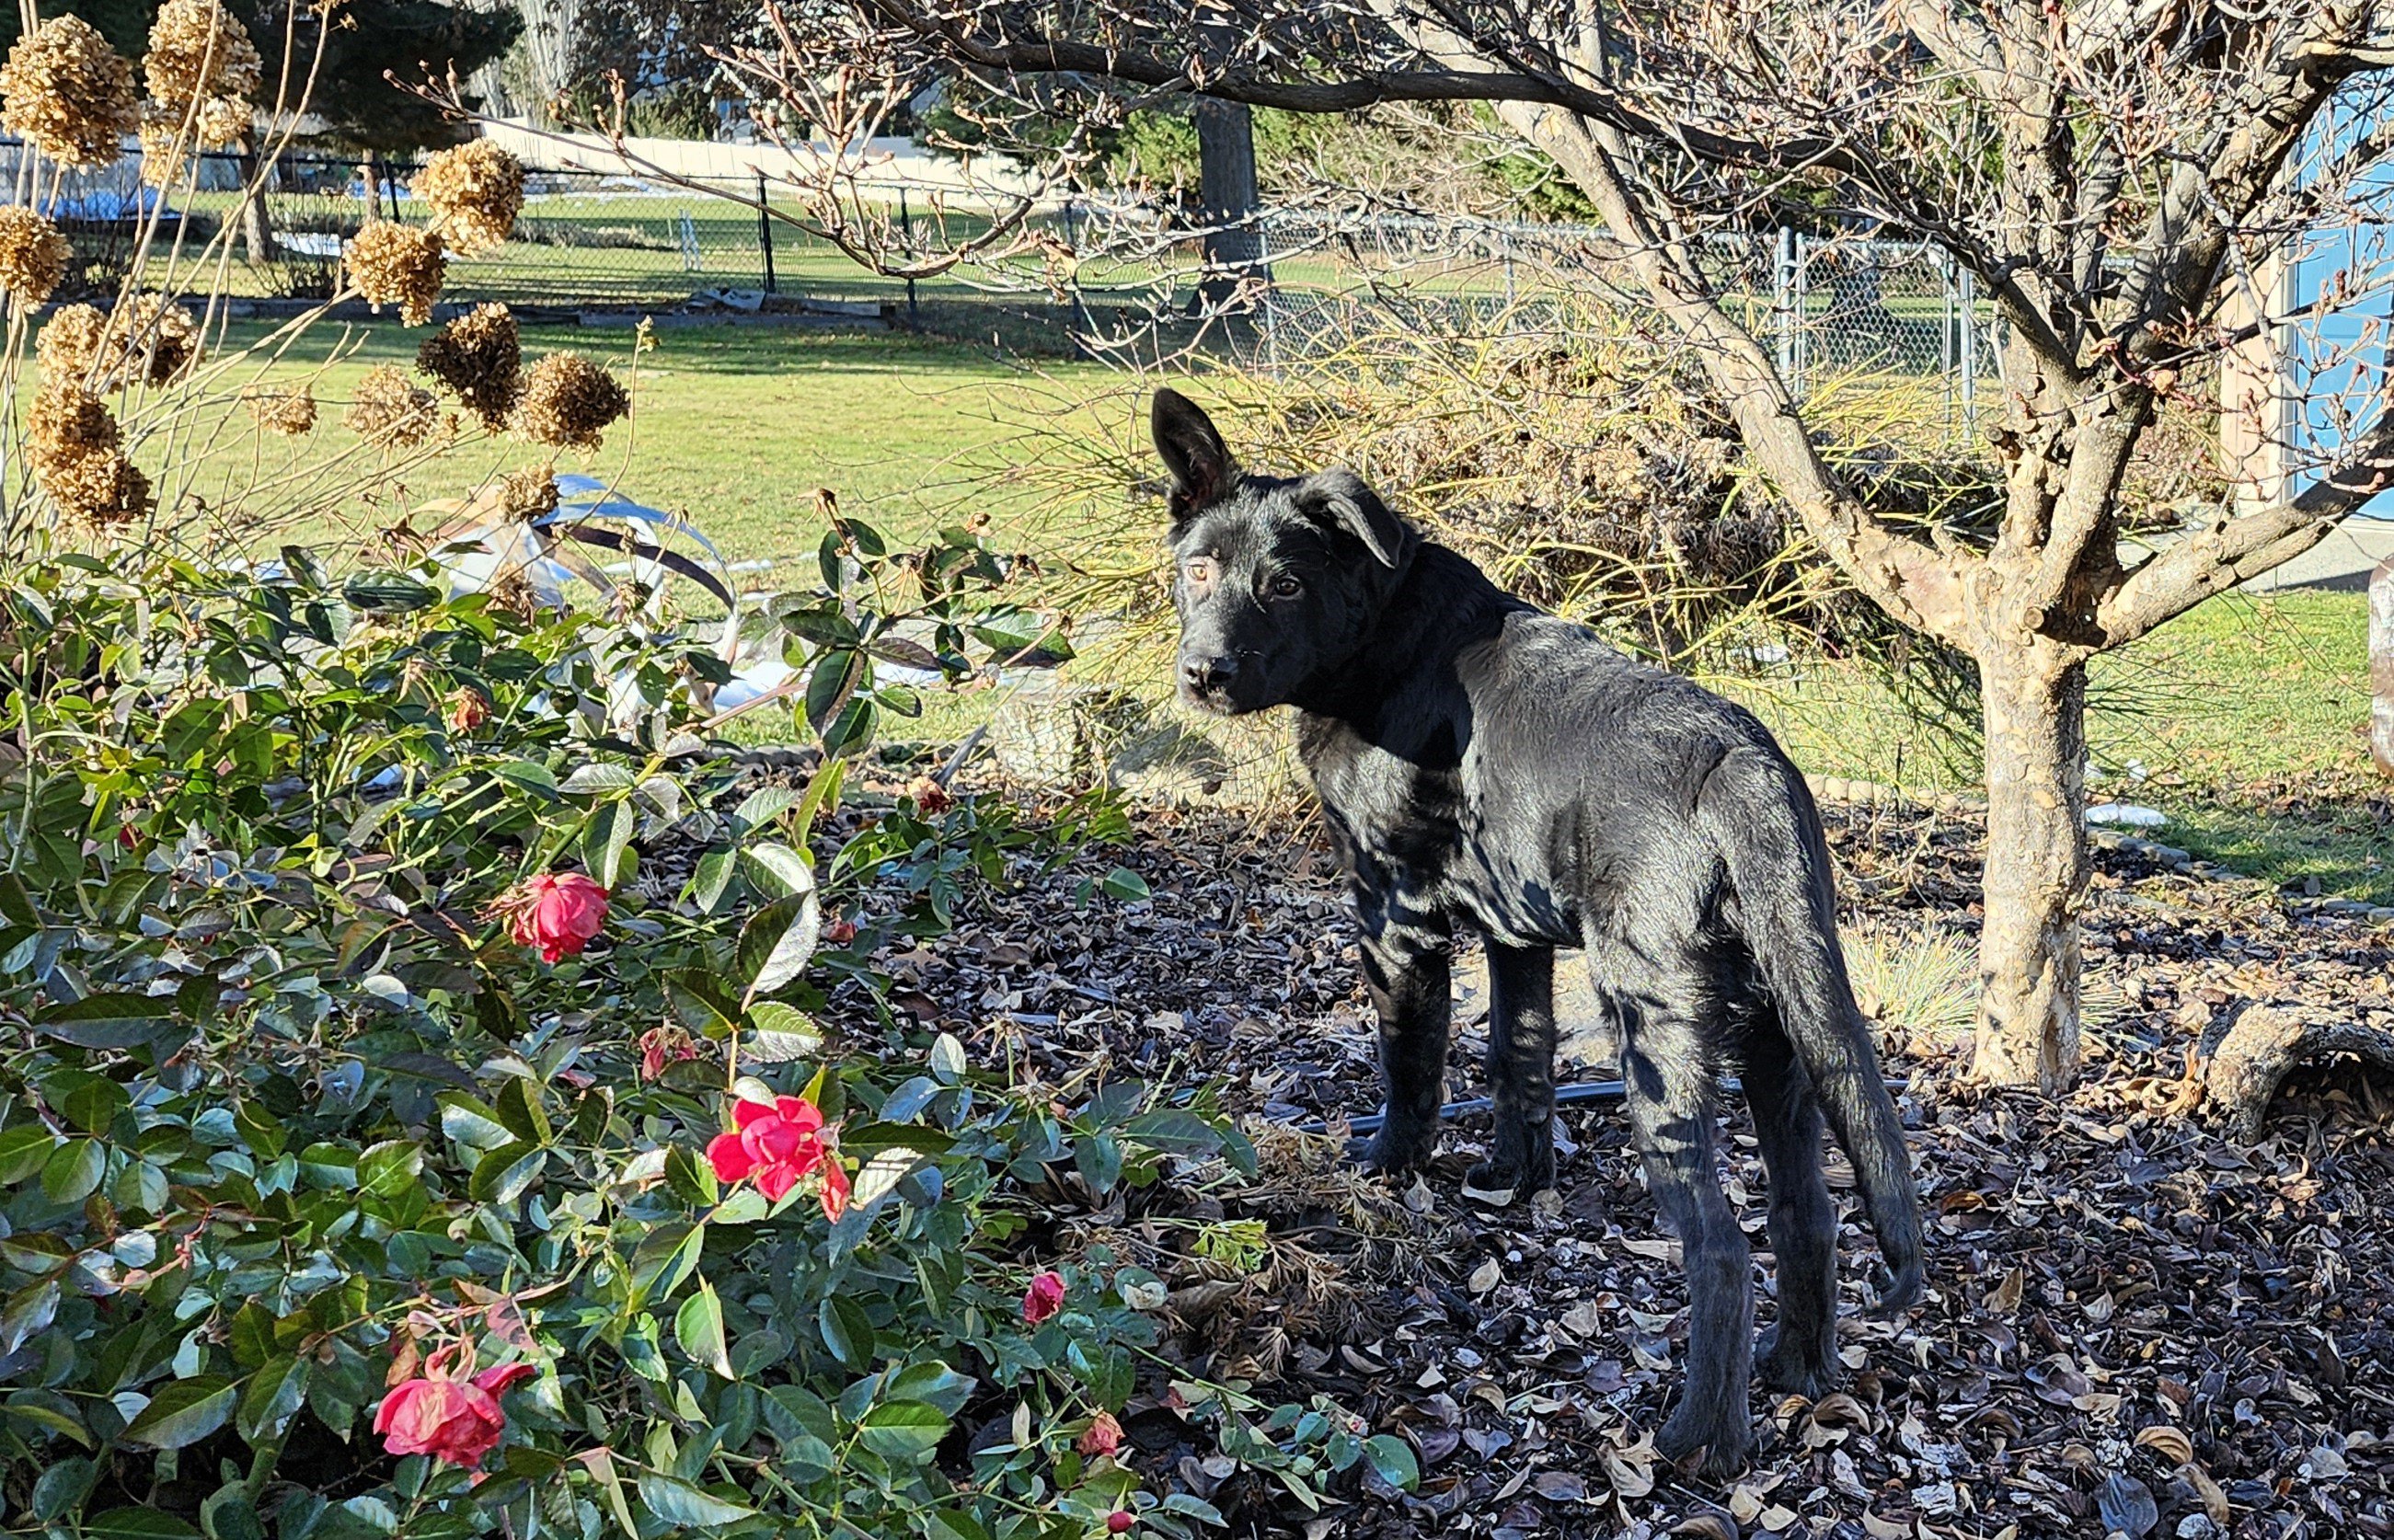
{"type": "Point", "coordinates": [1209, 680]}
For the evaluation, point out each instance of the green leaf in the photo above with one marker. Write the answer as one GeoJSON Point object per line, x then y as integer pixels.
{"type": "Point", "coordinates": [61, 1489]}
{"type": "Point", "coordinates": [136, 1523]}
{"type": "Point", "coordinates": [764, 805]}
{"type": "Point", "coordinates": [837, 674]}
{"type": "Point", "coordinates": [1174, 1132]}
{"type": "Point", "coordinates": [680, 1504]}
{"type": "Point", "coordinates": [503, 1176]}
{"type": "Point", "coordinates": [598, 778]}
{"type": "Point", "coordinates": [229, 1514]}
{"type": "Point", "coordinates": [24, 1150]}
{"type": "Point", "coordinates": [183, 1412]}
{"type": "Point", "coordinates": [902, 1429]}
{"type": "Point", "coordinates": [389, 1169]}
{"type": "Point", "coordinates": [1392, 1460]}
{"type": "Point", "coordinates": [274, 1392]}
{"type": "Point", "coordinates": [605, 838]}
{"type": "Point", "coordinates": [519, 1107]}
{"type": "Point", "coordinates": [847, 1331]}
{"type": "Point", "coordinates": [49, 1409]}
{"type": "Point", "coordinates": [779, 1033]}
{"type": "Point", "coordinates": [782, 870]}
{"type": "Point", "coordinates": [777, 941]}
{"type": "Point", "coordinates": [529, 775]}
{"type": "Point", "coordinates": [1125, 885]}
{"type": "Point", "coordinates": [107, 1021]}
{"type": "Point", "coordinates": [73, 1172]}
{"type": "Point", "coordinates": [698, 1326]}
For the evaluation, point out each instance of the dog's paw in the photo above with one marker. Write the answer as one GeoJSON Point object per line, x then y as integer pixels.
{"type": "Point", "coordinates": [1797, 1368]}
{"type": "Point", "coordinates": [1705, 1443]}
{"type": "Point", "coordinates": [1393, 1153]}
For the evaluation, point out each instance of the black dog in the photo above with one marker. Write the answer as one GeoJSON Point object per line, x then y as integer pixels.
{"type": "Point", "coordinates": [1483, 762]}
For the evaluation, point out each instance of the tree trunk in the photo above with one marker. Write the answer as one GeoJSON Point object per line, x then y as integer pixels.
{"type": "Point", "coordinates": [2381, 666]}
{"type": "Point", "coordinates": [1226, 183]}
{"type": "Point", "coordinates": [256, 227]}
{"type": "Point", "coordinates": [2036, 866]}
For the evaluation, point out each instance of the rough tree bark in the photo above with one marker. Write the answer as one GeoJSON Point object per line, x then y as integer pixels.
{"type": "Point", "coordinates": [2036, 867]}
{"type": "Point", "coordinates": [1226, 186]}
{"type": "Point", "coordinates": [2381, 666]}
{"type": "Point", "coordinates": [256, 226]}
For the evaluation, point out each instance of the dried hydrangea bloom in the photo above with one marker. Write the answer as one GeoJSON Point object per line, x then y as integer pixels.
{"type": "Point", "coordinates": [33, 256]}
{"type": "Point", "coordinates": [475, 193]}
{"type": "Point", "coordinates": [392, 412]}
{"type": "Point", "coordinates": [66, 90]}
{"type": "Point", "coordinates": [200, 53]}
{"type": "Point", "coordinates": [160, 340]}
{"type": "Point", "coordinates": [290, 412]}
{"type": "Point", "coordinates": [568, 400]}
{"type": "Point", "coordinates": [480, 356]}
{"type": "Point", "coordinates": [396, 264]}
{"type": "Point", "coordinates": [164, 149]}
{"type": "Point", "coordinates": [526, 495]}
{"type": "Point", "coordinates": [77, 455]}
{"type": "Point", "coordinates": [69, 343]}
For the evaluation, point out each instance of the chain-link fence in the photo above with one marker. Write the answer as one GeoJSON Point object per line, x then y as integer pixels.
{"type": "Point", "coordinates": [1093, 277]}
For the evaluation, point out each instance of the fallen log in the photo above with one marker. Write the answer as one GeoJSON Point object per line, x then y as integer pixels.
{"type": "Point", "coordinates": [2264, 1046]}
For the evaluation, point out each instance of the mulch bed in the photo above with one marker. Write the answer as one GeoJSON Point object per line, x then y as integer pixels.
{"type": "Point", "coordinates": [2135, 1325]}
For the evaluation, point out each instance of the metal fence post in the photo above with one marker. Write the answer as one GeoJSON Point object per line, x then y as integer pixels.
{"type": "Point", "coordinates": [1782, 301]}
{"type": "Point", "coordinates": [2381, 666]}
{"type": "Point", "coordinates": [906, 233]}
{"type": "Point", "coordinates": [765, 234]}
{"type": "Point", "coordinates": [1968, 284]}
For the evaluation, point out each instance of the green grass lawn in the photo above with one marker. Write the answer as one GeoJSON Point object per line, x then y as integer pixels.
{"type": "Point", "coordinates": [2248, 719]}
{"type": "Point", "coordinates": [734, 427]}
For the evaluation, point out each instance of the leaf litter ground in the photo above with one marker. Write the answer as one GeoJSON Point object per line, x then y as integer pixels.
{"type": "Point", "coordinates": [2134, 1326]}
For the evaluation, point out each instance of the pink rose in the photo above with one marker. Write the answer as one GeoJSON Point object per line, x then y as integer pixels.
{"type": "Point", "coordinates": [451, 1419]}
{"type": "Point", "coordinates": [556, 912]}
{"type": "Point", "coordinates": [1043, 1298]}
{"type": "Point", "coordinates": [781, 1143]}
{"type": "Point", "coordinates": [1104, 1437]}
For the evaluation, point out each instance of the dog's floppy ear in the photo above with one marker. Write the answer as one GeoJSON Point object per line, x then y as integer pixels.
{"type": "Point", "coordinates": [1202, 469]}
{"type": "Point", "coordinates": [1341, 497]}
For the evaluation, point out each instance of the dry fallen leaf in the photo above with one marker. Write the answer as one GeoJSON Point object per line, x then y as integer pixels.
{"type": "Point", "coordinates": [2170, 1444]}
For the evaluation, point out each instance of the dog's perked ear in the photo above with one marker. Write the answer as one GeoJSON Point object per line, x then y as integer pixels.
{"type": "Point", "coordinates": [1202, 469]}
{"type": "Point", "coordinates": [1343, 499]}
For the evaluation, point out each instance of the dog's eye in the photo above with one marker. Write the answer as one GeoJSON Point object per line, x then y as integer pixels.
{"type": "Point", "coordinates": [1285, 586]}
{"type": "Point", "coordinates": [1199, 570]}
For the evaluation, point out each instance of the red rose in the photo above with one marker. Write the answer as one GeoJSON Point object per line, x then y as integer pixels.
{"type": "Point", "coordinates": [451, 1419]}
{"type": "Point", "coordinates": [556, 912]}
{"type": "Point", "coordinates": [469, 710]}
{"type": "Point", "coordinates": [664, 1046]}
{"type": "Point", "coordinates": [1043, 1298]}
{"type": "Point", "coordinates": [835, 1188]}
{"type": "Point", "coordinates": [931, 798]}
{"type": "Point", "coordinates": [1104, 1436]}
{"type": "Point", "coordinates": [1118, 1521]}
{"type": "Point", "coordinates": [779, 1142]}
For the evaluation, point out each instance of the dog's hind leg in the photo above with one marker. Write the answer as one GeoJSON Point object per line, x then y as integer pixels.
{"type": "Point", "coordinates": [1520, 1071]}
{"type": "Point", "coordinates": [1668, 1074]}
{"type": "Point", "coordinates": [1798, 1353]}
{"type": "Point", "coordinates": [1407, 968]}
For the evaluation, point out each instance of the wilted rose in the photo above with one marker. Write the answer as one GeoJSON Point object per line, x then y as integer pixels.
{"type": "Point", "coordinates": [839, 932]}
{"type": "Point", "coordinates": [1104, 1436]}
{"type": "Point", "coordinates": [930, 798]}
{"type": "Point", "coordinates": [664, 1046]}
{"type": "Point", "coordinates": [1043, 1298]}
{"type": "Point", "coordinates": [556, 913]}
{"type": "Point", "coordinates": [451, 1419]}
{"type": "Point", "coordinates": [468, 708]}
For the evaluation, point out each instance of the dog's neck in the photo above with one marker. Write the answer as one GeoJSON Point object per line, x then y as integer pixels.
{"type": "Point", "coordinates": [1436, 605]}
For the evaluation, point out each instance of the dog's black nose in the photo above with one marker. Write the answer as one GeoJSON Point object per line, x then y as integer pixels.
{"type": "Point", "coordinates": [1208, 673]}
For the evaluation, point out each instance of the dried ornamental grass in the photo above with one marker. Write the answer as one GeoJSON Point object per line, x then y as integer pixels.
{"type": "Point", "coordinates": [291, 413]}
{"type": "Point", "coordinates": [65, 89]}
{"type": "Point", "coordinates": [77, 456]}
{"type": "Point", "coordinates": [479, 356]}
{"type": "Point", "coordinates": [396, 264]}
{"type": "Point", "coordinates": [568, 400]}
{"type": "Point", "coordinates": [475, 192]}
{"type": "Point", "coordinates": [392, 412]}
{"type": "Point", "coordinates": [33, 256]}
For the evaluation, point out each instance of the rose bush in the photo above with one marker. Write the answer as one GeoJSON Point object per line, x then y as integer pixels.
{"type": "Point", "coordinates": [295, 1132]}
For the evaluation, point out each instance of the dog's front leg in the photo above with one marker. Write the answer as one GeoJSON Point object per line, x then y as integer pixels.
{"type": "Point", "coordinates": [1407, 968]}
{"type": "Point", "coordinates": [1520, 1071]}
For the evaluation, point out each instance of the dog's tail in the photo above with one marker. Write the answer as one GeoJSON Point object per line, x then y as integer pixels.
{"type": "Point", "coordinates": [1768, 832]}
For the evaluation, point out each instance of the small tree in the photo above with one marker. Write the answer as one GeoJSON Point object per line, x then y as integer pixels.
{"type": "Point", "coordinates": [2122, 182]}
